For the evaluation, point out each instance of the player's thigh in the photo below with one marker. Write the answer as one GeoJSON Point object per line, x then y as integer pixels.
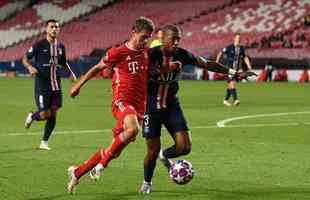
{"type": "Point", "coordinates": [43, 101]}
{"type": "Point", "coordinates": [56, 100]}
{"type": "Point", "coordinates": [152, 123]}
{"type": "Point", "coordinates": [127, 119]}
{"type": "Point", "coordinates": [174, 119]}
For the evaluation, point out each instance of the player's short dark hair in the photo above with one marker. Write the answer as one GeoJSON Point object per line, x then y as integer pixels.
{"type": "Point", "coordinates": [238, 33]}
{"type": "Point", "coordinates": [143, 23]}
{"type": "Point", "coordinates": [172, 28]}
{"type": "Point", "coordinates": [51, 21]}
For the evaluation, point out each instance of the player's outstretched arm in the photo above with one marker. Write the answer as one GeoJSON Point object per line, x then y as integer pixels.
{"type": "Point", "coordinates": [75, 89]}
{"type": "Point", "coordinates": [214, 66]}
{"type": "Point", "coordinates": [32, 70]}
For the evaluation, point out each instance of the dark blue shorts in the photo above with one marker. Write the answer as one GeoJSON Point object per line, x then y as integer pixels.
{"type": "Point", "coordinates": [49, 100]}
{"type": "Point", "coordinates": [172, 118]}
{"type": "Point", "coordinates": [232, 78]}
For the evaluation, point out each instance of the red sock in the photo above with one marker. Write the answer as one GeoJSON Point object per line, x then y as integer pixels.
{"type": "Point", "coordinates": [89, 164]}
{"type": "Point", "coordinates": [114, 150]}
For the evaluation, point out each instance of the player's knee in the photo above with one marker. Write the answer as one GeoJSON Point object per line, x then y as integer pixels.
{"type": "Point", "coordinates": [153, 152]}
{"type": "Point", "coordinates": [45, 115]}
{"type": "Point", "coordinates": [132, 131]}
{"type": "Point", "coordinates": [186, 149]}
{"type": "Point", "coordinates": [183, 149]}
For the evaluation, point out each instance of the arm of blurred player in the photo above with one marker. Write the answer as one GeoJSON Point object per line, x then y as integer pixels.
{"type": "Point", "coordinates": [68, 68]}
{"type": "Point", "coordinates": [248, 63]}
{"type": "Point", "coordinates": [214, 66]}
{"type": "Point", "coordinates": [75, 89]}
{"type": "Point", "coordinates": [218, 57]}
{"type": "Point", "coordinates": [32, 70]}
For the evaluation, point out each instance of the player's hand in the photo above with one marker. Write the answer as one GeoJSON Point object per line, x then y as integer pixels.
{"type": "Point", "coordinates": [75, 90]}
{"type": "Point", "coordinates": [32, 71]}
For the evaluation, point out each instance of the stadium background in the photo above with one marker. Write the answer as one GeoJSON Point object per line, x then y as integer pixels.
{"type": "Point", "coordinates": [274, 31]}
{"type": "Point", "coordinates": [261, 156]}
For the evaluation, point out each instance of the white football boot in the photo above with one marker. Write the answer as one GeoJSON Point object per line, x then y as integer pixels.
{"type": "Point", "coordinates": [165, 161]}
{"type": "Point", "coordinates": [145, 188]}
{"type": "Point", "coordinates": [44, 145]}
{"type": "Point", "coordinates": [72, 180]}
{"type": "Point", "coordinates": [28, 120]}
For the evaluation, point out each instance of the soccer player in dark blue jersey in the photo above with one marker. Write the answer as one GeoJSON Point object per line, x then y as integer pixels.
{"type": "Point", "coordinates": [163, 106]}
{"type": "Point", "coordinates": [235, 56]}
{"type": "Point", "coordinates": [48, 56]}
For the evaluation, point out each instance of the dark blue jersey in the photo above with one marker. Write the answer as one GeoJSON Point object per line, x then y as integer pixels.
{"type": "Point", "coordinates": [47, 60]}
{"type": "Point", "coordinates": [234, 56]}
{"type": "Point", "coordinates": [163, 89]}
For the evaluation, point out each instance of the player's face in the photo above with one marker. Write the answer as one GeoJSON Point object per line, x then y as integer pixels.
{"type": "Point", "coordinates": [160, 34]}
{"type": "Point", "coordinates": [237, 40]}
{"type": "Point", "coordinates": [141, 38]}
{"type": "Point", "coordinates": [52, 29]}
{"type": "Point", "coordinates": [171, 40]}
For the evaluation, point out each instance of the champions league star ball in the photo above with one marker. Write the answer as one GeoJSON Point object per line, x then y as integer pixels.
{"type": "Point", "coordinates": [181, 172]}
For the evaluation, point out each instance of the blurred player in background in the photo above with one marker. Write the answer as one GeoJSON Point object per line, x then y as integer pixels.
{"type": "Point", "coordinates": [129, 84]}
{"type": "Point", "coordinates": [235, 55]}
{"type": "Point", "coordinates": [49, 55]}
{"type": "Point", "coordinates": [163, 106]}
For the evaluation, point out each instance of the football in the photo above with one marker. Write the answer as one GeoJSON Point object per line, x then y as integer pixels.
{"type": "Point", "coordinates": [181, 172]}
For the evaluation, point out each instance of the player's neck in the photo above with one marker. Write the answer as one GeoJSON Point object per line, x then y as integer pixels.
{"type": "Point", "coordinates": [51, 40]}
{"type": "Point", "coordinates": [131, 45]}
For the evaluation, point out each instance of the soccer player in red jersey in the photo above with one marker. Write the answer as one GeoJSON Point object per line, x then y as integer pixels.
{"type": "Point", "coordinates": [129, 84]}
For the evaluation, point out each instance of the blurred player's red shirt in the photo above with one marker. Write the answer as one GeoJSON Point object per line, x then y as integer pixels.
{"type": "Point", "coordinates": [129, 81]}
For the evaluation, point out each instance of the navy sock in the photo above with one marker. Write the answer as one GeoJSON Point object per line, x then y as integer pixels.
{"type": "Point", "coordinates": [228, 93]}
{"type": "Point", "coordinates": [170, 152]}
{"type": "Point", "coordinates": [149, 170]}
{"type": "Point", "coordinates": [234, 93]}
{"type": "Point", "coordinates": [49, 127]}
{"type": "Point", "coordinates": [36, 116]}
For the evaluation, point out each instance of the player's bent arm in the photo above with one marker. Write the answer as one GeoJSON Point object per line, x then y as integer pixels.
{"type": "Point", "coordinates": [214, 66]}
{"type": "Point", "coordinates": [218, 57]}
{"type": "Point", "coordinates": [32, 70]}
{"type": "Point", "coordinates": [248, 63]}
{"type": "Point", "coordinates": [91, 73]}
{"type": "Point", "coordinates": [75, 89]}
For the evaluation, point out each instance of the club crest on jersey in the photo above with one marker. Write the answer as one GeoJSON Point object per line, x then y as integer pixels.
{"type": "Point", "coordinates": [60, 51]}
{"type": "Point", "coordinates": [128, 58]}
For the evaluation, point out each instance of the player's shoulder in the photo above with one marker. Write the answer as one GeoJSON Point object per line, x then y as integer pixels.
{"type": "Point", "coordinates": [40, 43]}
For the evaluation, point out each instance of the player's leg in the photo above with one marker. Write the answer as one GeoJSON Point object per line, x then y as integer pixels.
{"type": "Point", "coordinates": [131, 128]}
{"type": "Point", "coordinates": [55, 103]}
{"type": "Point", "coordinates": [151, 132]}
{"type": "Point", "coordinates": [153, 148]}
{"type": "Point", "coordinates": [43, 112]}
{"type": "Point", "coordinates": [75, 173]}
{"type": "Point", "coordinates": [176, 125]}
{"type": "Point", "coordinates": [228, 91]}
{"type": "Point", "coordinates": [232, 86]}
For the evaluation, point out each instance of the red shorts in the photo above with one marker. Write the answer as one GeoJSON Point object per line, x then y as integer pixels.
{"type": "Point", "coordinates": [120, 110]}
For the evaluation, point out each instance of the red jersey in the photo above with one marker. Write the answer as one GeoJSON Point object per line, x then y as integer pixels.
{"type": "Point", "coordinates": [129, 81]}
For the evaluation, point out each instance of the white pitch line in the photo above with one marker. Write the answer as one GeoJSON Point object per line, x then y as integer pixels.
{"type": "Point", "coordinates": [73, 132]}
{"type": "Point", "coordinates": [222, 123]}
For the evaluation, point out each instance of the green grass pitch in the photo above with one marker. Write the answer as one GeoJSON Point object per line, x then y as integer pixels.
{"type": "Point", "coordinates": [256, 157]}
